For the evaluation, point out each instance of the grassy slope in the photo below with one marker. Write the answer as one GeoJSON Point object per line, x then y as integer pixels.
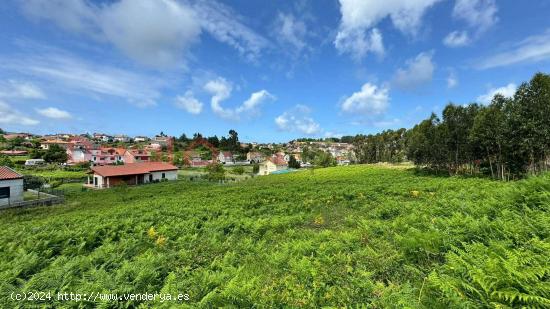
{"type": "Point", "coordinates": [332, 237]}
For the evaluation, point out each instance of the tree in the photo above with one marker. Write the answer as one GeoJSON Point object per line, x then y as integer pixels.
{"type": "Point", "coordinates": [55, 153]}
{"type": "Point", "coordinates": [324, 159]}
{"type": "Point", "coordinates": [6, 161]}
{"type": "Point", "coordinates": [32, 182]}
{"type": "Point", "coordinates": [293, 163]}
{"type": "Point", "coordinates": [255, 168]}
{"type": "Point", "coordinates": [239, 170]}
{"type": "Point", "coordinates": [215, 171]}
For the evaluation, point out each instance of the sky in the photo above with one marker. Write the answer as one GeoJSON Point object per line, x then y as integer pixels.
{"type": "Point", "coordinates": [271, 70]}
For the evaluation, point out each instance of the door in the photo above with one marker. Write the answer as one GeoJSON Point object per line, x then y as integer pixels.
{"type": "Point", "coordinates": [150, 177]}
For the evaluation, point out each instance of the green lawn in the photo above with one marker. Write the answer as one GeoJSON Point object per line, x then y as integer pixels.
{"type": "Point", "coordinates": [58, 174]}
{"type": "Point", "coordinates": [358, 235]}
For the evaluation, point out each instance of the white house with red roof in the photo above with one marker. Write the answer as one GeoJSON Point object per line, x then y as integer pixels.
{"type": "Point", "coordinates": [108, 176]}
{"type": "Point", "coordinates": [11, 186]}
{"type": "Point", "coordinates": [226, 157]}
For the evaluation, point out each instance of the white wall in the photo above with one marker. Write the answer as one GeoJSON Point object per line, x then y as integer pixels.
{"type": "Point", "coordinates": [16, 190]}
{"type": "Point", "coordinates": [170, 175]}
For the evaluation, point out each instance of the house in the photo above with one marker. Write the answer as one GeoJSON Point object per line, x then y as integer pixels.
{"type": "Point", "coordinates": [11, 186]}
{"type": "Point", "coordinates": [108, 176]}
{"type": "Point", "coordinates": [47, 143]}
{"type": "Point", "coordinates": [255, 157]}
{"type": "Point", "coordinates": [226, 157]}
{"type": "Point", "coordinates": [121, 138]}
{"type": "Point", "coordinates": [107, 155]}
{"type": "Point", "coordinates": [136, 156]}
{"type": "Point", "coordinates": [103, 137]}
{"type": "Point", "coordinates": [272, 165]}
{"type": "Point", "coordinates": [139, 139]}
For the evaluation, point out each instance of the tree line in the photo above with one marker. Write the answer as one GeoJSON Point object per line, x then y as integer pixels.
{"type": "Point", "coordinates": [507, 139]}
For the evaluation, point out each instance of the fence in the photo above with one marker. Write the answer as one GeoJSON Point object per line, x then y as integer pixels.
{"type": "Point", "coordinates": [44, 197]}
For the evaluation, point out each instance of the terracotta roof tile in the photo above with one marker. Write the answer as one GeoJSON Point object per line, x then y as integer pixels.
{"type": "Point", "coordinates": [7, 173]}
{"type": "Point", "coordinates": [132, 168]}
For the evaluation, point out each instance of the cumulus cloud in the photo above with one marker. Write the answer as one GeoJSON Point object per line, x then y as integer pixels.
{"type": "Point", "coordinates": [20, 90]}
{"type": "Point", "coordinates": [532, 49]}
{"type": "Point", "coordinates": [11, 116]}
{"type": "Point", "coordinates": [357, 34]}
{"type": "Point", "coordinates": [479, 16]}
{"type": "Point", "coordinates": [418, 71]}
{"type": "Point", "coordinates": [221, 89]}
{"type": "Point", "coordinates": [370, 100]}
{"type": "Point", "coordinates": [457, 39]}
{"type": "Point", "coordinates": [69, 73]}
{"type": "Point", "coordinates": [507, 91]}
{"type": "Point", "coordinates": [298, 120]}
{"type": "Point", "coordinates": [54, 113]}
{"type": "Point", "coordinates": [189, 103]}
{"type": "Point", "coordinates": [155, 33]}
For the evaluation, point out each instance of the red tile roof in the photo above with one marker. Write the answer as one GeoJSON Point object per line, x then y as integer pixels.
{"type": "Point", "coordinates": [132, 168]}
{"type": "Point", "coordinates": [7, 173]}
{"type": "Point", "coordinates": [277, 160]}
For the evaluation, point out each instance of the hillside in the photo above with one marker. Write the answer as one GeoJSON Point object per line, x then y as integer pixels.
{"type": "Point", "coordinates": [347, 235]}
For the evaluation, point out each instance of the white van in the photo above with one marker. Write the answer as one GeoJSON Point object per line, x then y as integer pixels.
{"type": "Point", "coordinates": [33, 162]}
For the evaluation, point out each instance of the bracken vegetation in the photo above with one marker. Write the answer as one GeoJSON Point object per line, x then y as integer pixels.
{"type": "Point", "coordinates": [380, 237]}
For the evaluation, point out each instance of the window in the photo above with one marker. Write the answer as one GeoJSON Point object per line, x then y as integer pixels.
{"type": "Point", "coordinates": [5, 192]}
{"type": "Point", "coordinates": [163, 175]}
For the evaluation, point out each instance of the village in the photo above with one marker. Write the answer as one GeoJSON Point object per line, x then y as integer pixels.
{"type": "Point", "coordinates": [113, 160]}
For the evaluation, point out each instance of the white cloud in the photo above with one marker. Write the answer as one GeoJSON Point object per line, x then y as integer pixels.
{"type": "Point", "coordinates": [507, 91]}
{"type": "Point", "coordinates": [225, 25]}
{"type": "Point", "coordinates": [291, 32]}
{"type": "Point", "coordinates": [532, 49]}
{"type": "Point", "coordinates": [457, 39]}
{"type": "Point", "coordinates": [152, 32]}
{"type": "Point", "coordinates": [255, 100]}
{"type": "Point", "coordinates": [189, 103]}
{"type": "Point", "coordinates": [370, 100]}
{"type": "Point", "coordinates": [298, 120]}
{"type": "Point", "coordinates": [360, 16]}
{"type": "Point", "coordinates": [54, 113]}
{"type": "Point", "coordinates": [74, 74]}
{"type": "Point", "coordinates": [417, 72]}
{"type": "Point", "coordinates": [10, 116]}
{"type": "Point", "coordinates": [452, 80]}
{"type": "Point", "coordinates": [155, 33]}
{"type": "Point", "coordinates": [478, 14]}
{"type": "Point", "coordinates": [20, 90]}
{"type": "Point", "coordinates": [221, 89]}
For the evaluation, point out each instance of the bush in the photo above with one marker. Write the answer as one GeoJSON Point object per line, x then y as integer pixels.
{"type": "Point", "coordinates": [215, 171]}
{"type": "Point", "coordinates": [239, 170]}
{"type": "Point", "coordinates": [32, 182]}
{"type": "Point", "coordinates": [6, 161]}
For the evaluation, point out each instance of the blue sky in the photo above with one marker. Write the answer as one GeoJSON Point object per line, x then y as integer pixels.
{"type": "Point", "coordinates": [272, 70]}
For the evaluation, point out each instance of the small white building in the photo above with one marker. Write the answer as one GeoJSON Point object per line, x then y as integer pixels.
{"type": "Point", "coordinates": [226, 157]}
{"type": "Point", "coordinates": [11, 186]}
{"type": "Point", "coordinates": [108, 176]}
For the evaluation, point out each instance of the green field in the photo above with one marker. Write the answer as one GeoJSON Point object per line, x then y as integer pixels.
{"type": "Point", "coordinates": [357, 235]}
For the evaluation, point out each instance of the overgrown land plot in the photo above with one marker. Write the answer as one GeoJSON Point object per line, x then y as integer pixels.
{"type": "Point", "coordinates": [354, 235]}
